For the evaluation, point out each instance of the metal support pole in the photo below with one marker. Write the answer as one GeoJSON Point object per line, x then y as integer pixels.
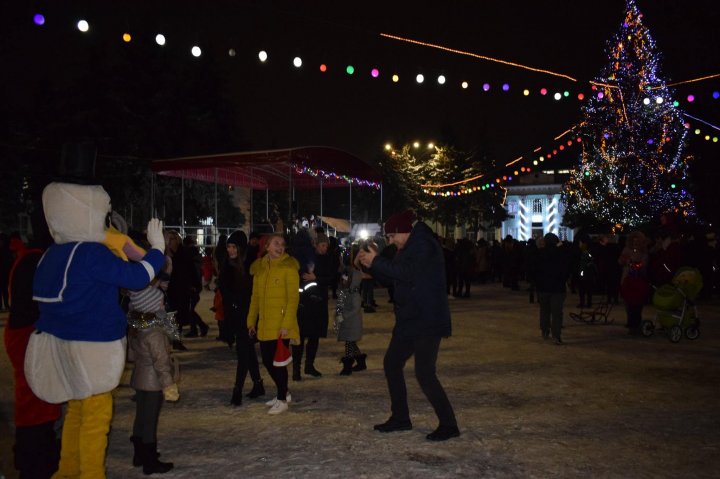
{"type": "Point", "coordinates": [182, 206]}
{"type": "Point", "coordinates": [350, 215]}
{"type": "Point", "coordinates": [381, 203]}
{"type": "Point", "coordinates": [215, 220]}
{"type": "Point", "coordinates": [252, 205]}
{"type": "Point", "coordinates": [153, 214]}
{"type": "Point", "coordinates": [321, 197]}
{"type": "Point", "coordinates": [267, 204]}
{"type": "Point", "coordinates": [291, 194]}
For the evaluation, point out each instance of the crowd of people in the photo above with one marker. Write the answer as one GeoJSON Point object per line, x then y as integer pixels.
{"type": "Point", "coordinates": [272, 297]}
{"type": "Point", "coordinates": [596, 262]}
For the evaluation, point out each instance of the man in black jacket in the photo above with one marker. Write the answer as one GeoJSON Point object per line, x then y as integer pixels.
{"type": "Point", "coordinates": [422, 318]}
{"type": "Point", "coordinates": [550, 273]}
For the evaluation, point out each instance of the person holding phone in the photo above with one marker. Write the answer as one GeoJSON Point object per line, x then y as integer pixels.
{"type": "Point", "coordinates": [422, 319]}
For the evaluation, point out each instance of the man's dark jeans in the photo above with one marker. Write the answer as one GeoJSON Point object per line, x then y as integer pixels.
{"type": "Point", "coordinates": [425, 350]}
{"type": "Point", "coordinates": [551, 313]}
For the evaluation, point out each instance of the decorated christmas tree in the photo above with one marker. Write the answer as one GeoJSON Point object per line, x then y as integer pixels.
{"type": "Point", "coordinates": [633, 167]}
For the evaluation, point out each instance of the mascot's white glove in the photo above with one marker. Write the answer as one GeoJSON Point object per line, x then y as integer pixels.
{"type": "Point", "coordinates": [155, 234]}
{"type": "Point", "coordinates": [171, 393]}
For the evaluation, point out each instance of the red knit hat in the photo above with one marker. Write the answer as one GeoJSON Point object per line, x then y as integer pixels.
{"type": "Point", "coordinates": [401, 222]}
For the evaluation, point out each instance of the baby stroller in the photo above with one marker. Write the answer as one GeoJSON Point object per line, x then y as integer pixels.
{"type": "Point", "coordinates": [675, 308]}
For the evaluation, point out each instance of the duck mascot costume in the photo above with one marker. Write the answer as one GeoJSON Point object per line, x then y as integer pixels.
{"type": "Point", "coordinates": [77, 354]}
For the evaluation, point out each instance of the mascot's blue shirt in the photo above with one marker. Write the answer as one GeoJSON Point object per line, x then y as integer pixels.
{"type": "Point", "coordinates": [77, 285]}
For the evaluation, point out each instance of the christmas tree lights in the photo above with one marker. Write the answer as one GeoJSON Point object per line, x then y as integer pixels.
{"type": "Point", "coordinates": [633, 157]}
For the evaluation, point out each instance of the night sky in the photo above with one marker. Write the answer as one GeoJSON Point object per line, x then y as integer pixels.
{"type": "Point", "coordinates": [281, 106]}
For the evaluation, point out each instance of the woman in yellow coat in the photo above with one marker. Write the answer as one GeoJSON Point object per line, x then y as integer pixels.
{"type": "Point", "coordinates": [273, 311]}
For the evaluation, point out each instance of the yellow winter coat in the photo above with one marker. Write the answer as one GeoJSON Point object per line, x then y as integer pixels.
{"type": "Point", "coordinates": [276, 286]}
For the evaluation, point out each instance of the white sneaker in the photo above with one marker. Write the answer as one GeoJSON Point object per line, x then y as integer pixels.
{"type": "Point", "coordinates": [273, 400]}
{"type": "Point", "coordinates": [278, 407]}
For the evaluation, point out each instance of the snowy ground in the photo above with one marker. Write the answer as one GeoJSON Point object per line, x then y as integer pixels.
{"type": "Point", "coordinates": [602, 405]}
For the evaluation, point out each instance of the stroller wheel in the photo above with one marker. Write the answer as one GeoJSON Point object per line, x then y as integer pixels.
{"type": "Point", "coordinates": [647, 328]}
{"type": "Point", "coordinates": [692, 332]}
{"type": "Point", "coordinates": [675, 333]}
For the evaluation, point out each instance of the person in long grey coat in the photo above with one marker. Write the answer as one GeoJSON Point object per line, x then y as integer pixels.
{"type": "Point", "coordinates": [348, 317]}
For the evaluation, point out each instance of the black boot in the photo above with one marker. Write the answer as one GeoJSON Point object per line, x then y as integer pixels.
{"type": "Point", "coordinates": [257, 390]}
{"type": "Point", "coordinates": [347, 366]}
{"type": "Point", "coordinates": [296, 372]}
{"type": "Point", "coordinates": [236, 399]}
{"type": "Point", "coordinates": [312, 348]}
{"type": "Point", "coordinates": [203, 328]}
{"type": "Point", "coordinates": [151, 464]}
{"type": "Point", "coordinates": [138, 454]}
{"type": "Point", "coordinates": [360, 366]}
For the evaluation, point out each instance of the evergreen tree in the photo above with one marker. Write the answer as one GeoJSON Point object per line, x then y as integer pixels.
{"type": "Point", "coordinates": [407, 173]}
{"type": "Point", "coordinates": [633, 167]}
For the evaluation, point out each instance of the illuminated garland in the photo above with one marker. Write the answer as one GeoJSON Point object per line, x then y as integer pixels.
{"type": "Point", "coordinates": [304, 170]}
{"type": "Point", "coordinates": [196, 51]}
{"type": "Point", "coordinates": [607, 92]}
{"type": "Point", "coordinates": [462, 187]}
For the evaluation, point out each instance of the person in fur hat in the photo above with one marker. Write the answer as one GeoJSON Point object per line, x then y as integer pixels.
{"type": "Point", "coordinates": [78, 352]}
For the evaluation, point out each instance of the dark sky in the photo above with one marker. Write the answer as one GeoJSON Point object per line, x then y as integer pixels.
{"type": "Point", "coordinates": [281, 106]}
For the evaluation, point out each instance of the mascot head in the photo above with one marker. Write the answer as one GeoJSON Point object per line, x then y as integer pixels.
{"type": "Point", "coordinates": [76, 212]}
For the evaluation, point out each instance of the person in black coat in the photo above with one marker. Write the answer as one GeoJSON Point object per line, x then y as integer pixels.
{"type": "Point", "coordinates": [235, 285]}
{"type": "Point", "coordinates": [316, 274]}
{"type": "Point", "coordinates": [422, 319]}
{"type": "Point", "coordinates": [184, 286]}
{"type": "Point", "coordinates": [550, 272]}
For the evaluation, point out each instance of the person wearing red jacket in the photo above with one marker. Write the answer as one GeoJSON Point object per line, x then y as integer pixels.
{"type": "Point", "coordinates": [36, 450]}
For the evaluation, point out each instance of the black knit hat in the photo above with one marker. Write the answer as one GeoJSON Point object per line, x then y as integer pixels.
{"type": "Point", "coordinates": [239, 239]}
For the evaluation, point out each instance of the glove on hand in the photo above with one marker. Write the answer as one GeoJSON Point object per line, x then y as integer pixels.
{"type": "Point", "coordinates": [171, 393]}
{"type": "Point", "coordinates": [155, 234]}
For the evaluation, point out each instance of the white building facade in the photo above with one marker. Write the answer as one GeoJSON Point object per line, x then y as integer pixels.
{"type": "Point", "coordinates": [533, 211]}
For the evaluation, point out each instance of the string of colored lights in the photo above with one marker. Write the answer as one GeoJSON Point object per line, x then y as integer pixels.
{"type": "Point", "coordinates": [304, 170]}
{"type": "Point", "coordinates": [541, 158]}
{"type": "Point", "coordinates": [463, 189]}
{"type": "Point", "coordinates": [701, 121]}
{"type": "Point", "coordinates": [466, 180]}
{"type": "Point", "coordinates": [196, 51]}
{"type": "Point", "coordinates": [475, 55]}
{"type": "Point", "coordinates": [708, 77]}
